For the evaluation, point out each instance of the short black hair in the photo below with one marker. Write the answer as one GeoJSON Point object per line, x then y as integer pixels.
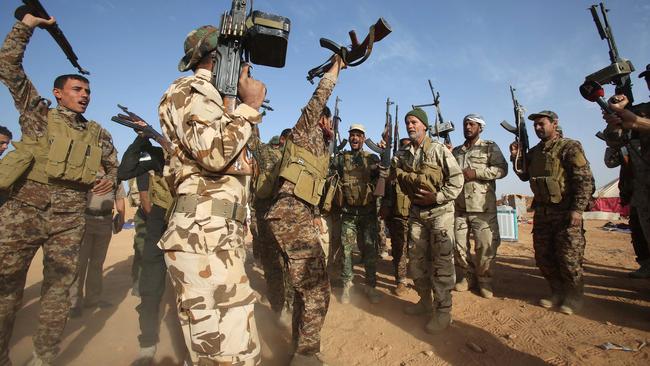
{"type": "Point", "coordinates": [59, 82]}
{"type": "Point", "coordinates": [5, 131]}
{"type": "Point", "coordinates": [285, 132]}
{"type": "Point", "coordinates": [326, 112]}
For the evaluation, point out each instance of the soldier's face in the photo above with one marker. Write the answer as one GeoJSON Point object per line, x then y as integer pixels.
{"type": "Point", "coordinates": [545, 128]}
{"type": "Point", "coordinates": [415, 128]}
{"type": "Point", "coordinates": [75, 95]}
{"type": "Point", "coordinates": [4, 143]}
{"type": "Point", "coordinates": [471, 129]}
{"type": "Point", "coordinates": [356, 140]}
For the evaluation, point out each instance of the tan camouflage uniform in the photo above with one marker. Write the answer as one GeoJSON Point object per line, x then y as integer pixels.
{"type": "Point", "coordinates": [205, 252]}
{"type": "Point", "coordinates": [476, 209]}
{"type": "Point", "coordinates": [292, 223]}
{"type": "Point", "coordinates": [40, 215]}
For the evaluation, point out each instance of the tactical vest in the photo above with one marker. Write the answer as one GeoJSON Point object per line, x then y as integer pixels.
{"type": "Point", "coordinates": [421, 175]}
{"type": "Point", "coordinates": [159, 193]}
{"type": "Point", "coordinates": [356, 185]}
{"type": "Point", "coordinates": [268, 176]}
{"type": "Point", "coordinates": [305, 170]}
{"type": "Point", "coordinates": [547, 175]}
{"type": "Point", "coordinates": [65, 156]}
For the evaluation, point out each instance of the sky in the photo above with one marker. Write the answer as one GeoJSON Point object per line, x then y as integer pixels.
{"type": "Point", "coordinates": [470, 50]}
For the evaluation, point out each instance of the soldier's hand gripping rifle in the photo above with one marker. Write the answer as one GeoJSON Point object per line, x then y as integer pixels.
{"type": "Point", "coordinates": [35, 8]}
{"type": "Point", "coordinates": [260, 38]}
{"type": "Point", "coordinates": [440, 128]}
{"type": "Point", "coordinates": [520, 132]}
{"type": "Point", "coordinates": [336, 145]}
{"type": "Point", "coordinates": [384, 153]}
{"type": "Point", "coordinates": [356, 53]}
{"type": "Point", "coordinates": [129, 120]}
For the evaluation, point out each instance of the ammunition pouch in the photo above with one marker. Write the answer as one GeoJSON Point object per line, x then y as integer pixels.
{"type": "Point", "coordinates": [267, 38]}
{"type": "Point", "coordinates": [14, 165]}
{"type": "Point", "coordinates": [402, 203]}
{"type": "Point", "coordinates": [546, 189]}
{"type": "Point", "coordinates": [306, 171]}
{"type": "Point", "coordinates": [159, 192]}
{"type": "Point", "coordinates": [547, 175]}
{"type": "Point", "coordinates": [331, 187]}
{"type": "Point", "coordinates": [429, 177]}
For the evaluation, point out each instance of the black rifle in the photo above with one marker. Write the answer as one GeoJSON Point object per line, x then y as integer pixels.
{"type": "Point", "coordinates": [384, 153]}
{"type": "Point", "coordinates": [440, 128]}
{"type": "Point", "coordinates": [618, 72]}
{"type": "Point", "coordinates": [260, 38]}
{"type": "Point", "coordinates": [396, 132]}
{"type": "Point", "coordinates": [129, 120]}
{"type": "Point", "coordinates": [357, 52]}
{"type": "Point", "coordinates": [35, 8]}
{"type": "Point", "coordinates": [520, 132]}
{"type": "Point", "coordinates": [336, 145]}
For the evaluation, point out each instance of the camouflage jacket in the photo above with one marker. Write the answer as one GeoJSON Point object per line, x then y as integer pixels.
{"type": "Point", "coordinates": [435, 153]}
{"type": "Point", "coordinates": [579, 180]}
{"type": "Point", "coordinates": [308, 135]}
{"type": "Point", "coordinates": [486, 159]}
{"type": "Point", "coordinates": [33, 110]}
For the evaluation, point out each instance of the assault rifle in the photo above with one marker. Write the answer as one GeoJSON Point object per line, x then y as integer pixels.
{"type": "Point", "coordinates": [129, 120]}
{"type": "Point", "coordinates": [259, 38]}
{"type": "Point", "coordinates": [520, 132]}
{"type": "Point", "coordinates": [336, 145]}
{"type": "Point", "coordinates": [617, 73]}
{"type": "Point", "coordinates": [440, 128]}
{"type": "Point", "coordinates": [356, 53]}
{"type": "Point", "coordinates": [396, 132]}
{"type": "Point", "coordinates": [35, 8]}
{"type": "Point", "coordinates": [384, 153]}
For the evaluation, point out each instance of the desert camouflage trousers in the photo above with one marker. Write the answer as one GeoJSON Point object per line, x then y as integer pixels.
{"type": "Point", "coordinates": [214, 298]}
{"type": "Point", "coordinates": [559, 249]}
{"type": "Point", "coordinates": [399, 231]}
{"type": "Point", "coordinates": [359, 230]}
{"type": "Point", "coordinates": [484, 228]}
{"type": "Point", "coordinates": [431, 253]}
{"type": "Point", "coordinates": [25, 229]}
{"type": "Point", "coordinates": [298, 239]}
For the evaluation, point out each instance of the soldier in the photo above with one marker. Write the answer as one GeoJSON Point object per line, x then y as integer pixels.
{"type": "Point", "coordinates": [278, 289]}
{"type": "Point", "coordinates": [358, 171]}
{"type": "Point", "coordinates": [48, 198]}
{"type": "Point", "coordinates": [476, 210]}
{"type": "Point", "coordinates": [430, 176]}
{"type": "Point", "coordinates": [561, 181]}
{"type": "Point", "coordinates": [395, 209]}
{"type": "Point", "coordinates": [294, 217]}
{"type": "Point", "coordinates": [156, 200]}
{"type": "Point", "coordinates": [5, 139]}
{"type": "Point", "coordinates": [204, 242]}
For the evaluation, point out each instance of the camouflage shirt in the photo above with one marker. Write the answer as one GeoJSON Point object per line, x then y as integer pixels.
{"type": "Point", "coordinates": [267, 156]}
{"type": "Point", "coordinates": [486, 159]}
{"type": "Point", "coordinates": [33, 109]}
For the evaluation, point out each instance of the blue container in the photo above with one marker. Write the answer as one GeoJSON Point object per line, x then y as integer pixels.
{"type": "Point", "coordinates": [507, 219]}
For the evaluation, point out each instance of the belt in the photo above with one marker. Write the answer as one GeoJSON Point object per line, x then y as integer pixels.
{"type": "Point", "coordinates": [221, 208]}
{"type": "Point", "coordinates": [98, 213]}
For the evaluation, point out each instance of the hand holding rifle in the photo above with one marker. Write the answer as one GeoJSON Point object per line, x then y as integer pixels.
{"type": "Point", "coordinates": [144, 129]}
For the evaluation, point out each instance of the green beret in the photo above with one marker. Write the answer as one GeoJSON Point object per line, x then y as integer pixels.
{"type": "Point", "coordinates": [419, 114]}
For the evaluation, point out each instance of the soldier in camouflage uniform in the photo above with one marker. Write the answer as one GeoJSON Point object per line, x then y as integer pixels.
{"type": "Point", "coordinates": [476, 209]}
{"type": "Point", "coordinates": [46, 205]}
{"type": "Point", "coordinates": [562, 184]}
{"type": "Point", "coordinates": [395, 208]}
{"type": "Point", "coordinates": [278, 288]}
{"type": "Point", "coordinates": [294, 217]}
{"type": "Point", "coordinates": [358, 171]}
{"type": "Point", "coordinates": [636, 120]}
{"type": "Point", "coordinates": [430, 176]}
{"type": "Point", "coordinates": [204, 242]}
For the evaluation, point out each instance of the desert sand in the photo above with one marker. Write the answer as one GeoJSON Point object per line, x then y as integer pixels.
{"type": "Point", "coordinates": [509, 329]}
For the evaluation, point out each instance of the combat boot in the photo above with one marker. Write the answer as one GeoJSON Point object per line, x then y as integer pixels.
{"type": "Point", "coordinates": [306, 360]}
{"type": "Point", "coordinates": [401, 289]}
{"type": "Point", "coordinates": [642, 272]}
{"type": "Point", "coordinates": [424, 306]}
{"type": "Point", "coordinates": [37, 361]}
{"type": "Point", "coordinates": [345, 295]}
{"type": "Point", "coordinates": [485, 289]}
{"type": "Point", "coordinates": [373, 295]}
{"type": "Point", "coordinates": [572, 303]}
{"type": "Point", "coordinates": [439, 322]}
{"type": "Point", "coordinates": [462, 285]}
{"type": "Point", "coordinates": [145, 358]}
{"type": "Point", "coordinates": [554, 300]}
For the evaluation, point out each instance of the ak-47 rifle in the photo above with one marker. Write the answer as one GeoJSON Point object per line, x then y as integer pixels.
{"type": "Point", "coordinates": [35, 8]}
{"type": "Point", "coordinates": [396, 132]}
{"type": "Point", "coordinates": [440, 128]}
{"type": "Point", "coordinates": [129, 120]}
{"type": "Point", "coordinates": [356, 53]}
{"type": "Point", "coordinates": [260, 38]}
{"type": "Point", "coordinates": [336, 145]}
{"type": "Point", "coordinates": [384, 153]}
{"type": "Point", "coordinates": [617, 73]}
{"type": "Point", "coordinates": [520, 132]}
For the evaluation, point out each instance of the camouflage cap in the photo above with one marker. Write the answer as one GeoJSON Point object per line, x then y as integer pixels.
{"type": "Point", "coordinates": [646, 72]}
{"type": "Point", "coordinates": [198, 43]}
{"type": "Point", "coordinates": [357, 127]}
{"type": "Point", "coordinates": [550, 114]}
{"type": "Point", "coordinates": [275, 140]}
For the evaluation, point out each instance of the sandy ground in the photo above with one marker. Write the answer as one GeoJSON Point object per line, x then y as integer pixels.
{"type": "Point", "coordinates": [507, 330]}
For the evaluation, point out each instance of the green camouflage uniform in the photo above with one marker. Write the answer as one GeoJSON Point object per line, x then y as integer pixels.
{"type": "Point", "coordinates": [38, 215]}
